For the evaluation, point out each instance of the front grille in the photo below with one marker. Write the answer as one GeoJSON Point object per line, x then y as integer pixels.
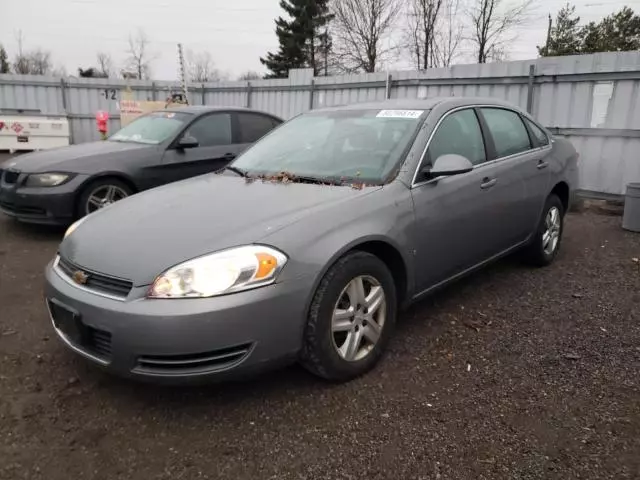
{"type": "Point", "coordinates": [97, 282]}
{"type": "Point", "coordinates": [10, 177]}
{"type": "Point", "coordinates": [193, 363]}
{"type": "Point", "coordinates": [98, 342]}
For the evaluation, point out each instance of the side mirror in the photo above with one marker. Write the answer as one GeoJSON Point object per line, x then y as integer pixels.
{"type": "Point", "coordinates": [450, 164]}
{"type": "Point", "coordinates": [187, 142]}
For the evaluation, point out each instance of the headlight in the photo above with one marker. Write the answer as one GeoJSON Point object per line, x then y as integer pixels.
{"type": "Point", "coordinates": [47, 179]}
{"type": "Point", "coordinates": [73, 226]}
{"type": "Point", "coordinates": [223, 272]}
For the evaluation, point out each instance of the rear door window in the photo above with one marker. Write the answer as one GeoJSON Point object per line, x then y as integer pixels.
{"type": "Point", "coordinates": [254, 126]}
{"type": "Point", "coordinates": [509, 133]}
{"type": "Point", "coordinates": [212, 130]}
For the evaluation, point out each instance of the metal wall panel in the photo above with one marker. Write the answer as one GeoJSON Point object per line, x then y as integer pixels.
{"type": "Point", "coordinates": [599, 95]}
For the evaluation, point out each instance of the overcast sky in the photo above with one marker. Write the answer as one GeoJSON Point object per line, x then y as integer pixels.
{"type": "Point", "coordinates": [236, 33]}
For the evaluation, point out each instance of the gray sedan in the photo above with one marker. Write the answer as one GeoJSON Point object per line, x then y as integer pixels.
{"type": "Point", "coordinates": [307, 246]}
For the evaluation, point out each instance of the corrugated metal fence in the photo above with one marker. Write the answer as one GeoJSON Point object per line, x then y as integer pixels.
{"type": "Point", "coordinates": [593, 100]}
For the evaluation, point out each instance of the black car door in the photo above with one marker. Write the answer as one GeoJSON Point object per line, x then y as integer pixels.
{"type": "Point", "coordinates": [215, 148]}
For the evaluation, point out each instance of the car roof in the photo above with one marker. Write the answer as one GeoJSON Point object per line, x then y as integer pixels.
{"type": "Point", "coordinates": [202, 109]}
{"type": "Point", "coordinates": [423, 104]}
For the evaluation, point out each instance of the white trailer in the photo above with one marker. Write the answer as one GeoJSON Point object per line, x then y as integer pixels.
{"type": "Point", "coordinates": [32, 132]}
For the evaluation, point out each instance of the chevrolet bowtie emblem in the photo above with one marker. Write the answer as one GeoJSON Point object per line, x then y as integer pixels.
{"type": "Point", "coordinates": [80, 277]}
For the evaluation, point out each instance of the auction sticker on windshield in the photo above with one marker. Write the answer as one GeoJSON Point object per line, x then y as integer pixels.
{"type": "Point", "coordinates": [400, 113]}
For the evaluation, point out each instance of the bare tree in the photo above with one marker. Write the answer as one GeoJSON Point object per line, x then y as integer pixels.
{"type": "Point", "coordinates": [491, 21]}
{"type": "Point", "coordinates": [250, 75]}
{"type": "Point", "coordinates": [34, 62]}
{"type": "Point", "coordinates": [201, 68]}
{"type": "Point", "coordinates": [105, 64]}
{"type": "Point", "coordinates": [449, 34]}
{"type": "Point", "coordinates": [422, 22]}
{"type": "Point", "coordinates": [362, 31]}
{"type": "Point", "coordinates": [20, 62]}
{"type": "Point", "coordinates": [139, 58]}
{"type": "Point", "coordinates": [60, 71]}
{"type": "Point", "coordinates": [38, 62]}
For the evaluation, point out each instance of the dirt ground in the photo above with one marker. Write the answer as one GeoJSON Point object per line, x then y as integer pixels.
{"type": "Point", "coordinates": [513, 373]}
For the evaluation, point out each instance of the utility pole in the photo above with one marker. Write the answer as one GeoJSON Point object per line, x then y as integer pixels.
{"type": "Point", "coordinates": [548, 35]}
{"type": "Point", "coordinates": [182, 74]}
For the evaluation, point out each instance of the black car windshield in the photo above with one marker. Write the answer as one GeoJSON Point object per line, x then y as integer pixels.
{"type": "Point", "coordinates": [340, 145]}
{"type": "Point", "coordinates": [153, 128]}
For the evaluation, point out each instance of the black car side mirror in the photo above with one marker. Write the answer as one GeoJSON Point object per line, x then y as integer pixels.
{"type": "Point", "coordinates": [450, 164]}
{"type": "Point", "coordinates": [187, 142]}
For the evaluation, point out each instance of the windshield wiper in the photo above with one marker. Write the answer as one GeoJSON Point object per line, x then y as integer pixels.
{"type": "Point", "coordinates": [314, 180]}
{"type": "Point", "coordinates": [239, 171]}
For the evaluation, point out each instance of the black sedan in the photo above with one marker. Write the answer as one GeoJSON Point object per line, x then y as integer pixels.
{"type": "Point", "coordinates": [60, 185]}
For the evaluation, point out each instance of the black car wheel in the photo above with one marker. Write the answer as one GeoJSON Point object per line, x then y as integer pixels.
{"type": "Point", "coordinates": [101, 193]}
{"type": "Point", "coordinates": [351, 318]}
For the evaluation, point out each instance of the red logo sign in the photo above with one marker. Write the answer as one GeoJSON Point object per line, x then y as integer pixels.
{"type": "Point", "coordinates": [16, 127]}
{"type": "Point", "coordinates": [1, 125]}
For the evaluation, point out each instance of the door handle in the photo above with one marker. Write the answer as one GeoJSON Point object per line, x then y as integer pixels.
{"type": "Point", "coordinates": [488, 182]}
{"type": "Point", "coordinates": [542, 164]}
{"type": "Point", "coordinates": [229, 156]}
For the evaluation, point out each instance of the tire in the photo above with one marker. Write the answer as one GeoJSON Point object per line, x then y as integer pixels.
{"type": "Point", "coordinates": [538, 252]}
{"type": "Point", "coordinates": [322, 346]}
{"type": "Point", "coordinates": [96, 188]}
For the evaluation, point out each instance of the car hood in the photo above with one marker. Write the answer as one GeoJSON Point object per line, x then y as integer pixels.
{"type": "Point", "coordinates": [143, 235]}
{"type": "Point", "coordinates": [74, 158]}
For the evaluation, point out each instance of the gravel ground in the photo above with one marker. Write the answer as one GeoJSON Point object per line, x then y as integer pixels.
{"type": "Point", "coordinates": [512, 373]}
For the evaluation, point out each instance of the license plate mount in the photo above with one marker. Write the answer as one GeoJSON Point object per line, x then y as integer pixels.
{"type": "Point", "coordinates": [67, 321]}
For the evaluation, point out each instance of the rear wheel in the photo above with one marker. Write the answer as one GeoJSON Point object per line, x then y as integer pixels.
{"type": "Point", "coordinates": [101, 193]}
{"type": "Point", "coordinates": [351, 318]}
{"type": "Point", "coordinates": [544, 245]}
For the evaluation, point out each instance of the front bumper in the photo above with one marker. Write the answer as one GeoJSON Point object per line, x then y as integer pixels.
{"type": "Point", "coordinates": [50, 206]}
{"type": "Point", "coordinates": [182, 340]}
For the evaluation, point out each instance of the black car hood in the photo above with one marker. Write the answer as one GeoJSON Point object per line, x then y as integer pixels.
{"type": "Point", "coordinates": [143, 235]}
{"type": "Point", "coordinates": [81, 158]}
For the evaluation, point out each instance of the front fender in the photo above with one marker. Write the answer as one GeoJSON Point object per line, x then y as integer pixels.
{"type": "Point", "coordinates": [315, 244]}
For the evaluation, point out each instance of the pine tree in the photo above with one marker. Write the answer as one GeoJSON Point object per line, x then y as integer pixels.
{"type": "Point", "coordinates": [619, 32]}
{"type": "Point", "coordinates": [4, 60]}
{"type": "Point", "coordinates": [565, 38]}
{"type": "Point", "coordinates": [303, 39]}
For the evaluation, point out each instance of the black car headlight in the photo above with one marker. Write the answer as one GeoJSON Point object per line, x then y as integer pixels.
{"type": "Point", "coordinates": [47, 179]}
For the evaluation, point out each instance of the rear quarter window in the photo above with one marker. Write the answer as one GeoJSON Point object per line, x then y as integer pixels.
{"type": "Point", "coordinates": [538, 133]}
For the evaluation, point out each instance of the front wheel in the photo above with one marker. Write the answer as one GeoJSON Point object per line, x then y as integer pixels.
{"type": "Point", "coordinates": [100, 194]}
{"type": "Point", "coordinates": [351, 318]}
{"type": "Point", "coordinates": [545, 243]}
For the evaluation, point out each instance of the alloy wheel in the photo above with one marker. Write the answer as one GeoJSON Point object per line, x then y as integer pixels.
{"type": "Point", "coordinates": [551, 235]}
{"type": "Point", "coordinates": [103, 196]}
{"type": "Point", "coordinates": [358, 318]}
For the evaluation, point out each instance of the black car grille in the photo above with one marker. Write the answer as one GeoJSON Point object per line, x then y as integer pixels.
{"type": "Point", "coordinates": [193, 363]}
{"type": "Point", "coordinates": [10, 177]}
{"type": "Point", "coordinates": [97, 282]}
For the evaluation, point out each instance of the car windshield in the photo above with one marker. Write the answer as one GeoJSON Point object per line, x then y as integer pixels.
{"type": "Point", "coordinates": [342, 145]}
{"type": "Point", "coordinates": [153, 128]}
